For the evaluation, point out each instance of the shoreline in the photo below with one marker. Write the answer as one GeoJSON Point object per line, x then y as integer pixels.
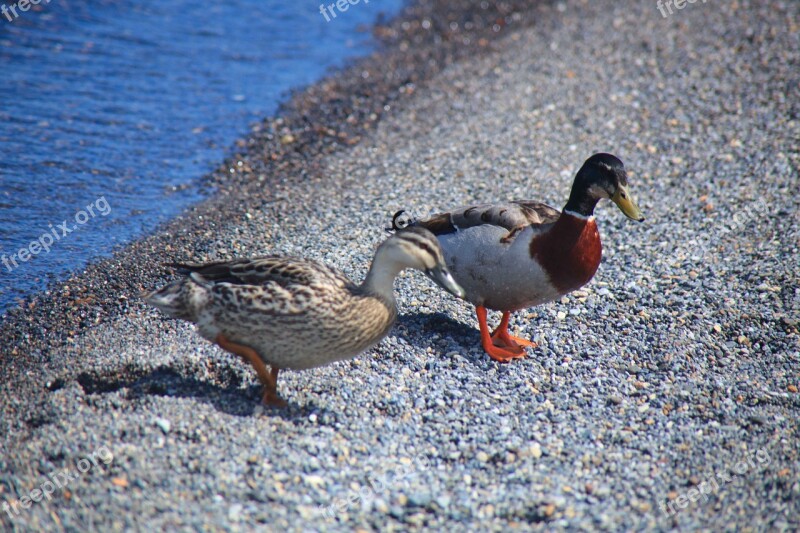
{"type": "Point", "coordinates": [318, 120]}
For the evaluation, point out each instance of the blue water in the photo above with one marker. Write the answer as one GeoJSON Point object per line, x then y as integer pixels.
{"type": "Point", "coordinates": [111, 111]}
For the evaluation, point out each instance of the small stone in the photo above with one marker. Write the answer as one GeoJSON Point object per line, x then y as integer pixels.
{"type": "Point", "coordinates": [416, 520]}
{"type": "Point", "coordinates": [419, 500]}
{"type": "Point", "coordinates": [602, 492]}
{"type": "Point", "coordinates": [163, 424]}
{"type": "Point", "coordinates": [119, 482]}
{"type": "Point", "coordinates": [381, 506]}
{"type": "Point", "coordinates": [792, 388]}
{"type": "Point", "coordinates": [483, 457]}
{"type": "Point", "coordinates": [561, 315]}
{"type": "Point", "coordinates": [535, 450]}
{"type": "Point", "coordinates": [235, 512]}
{"type": "Point", "coordinates": [314, 481]}
{"type": "Point", "coordinates": [443, 502]}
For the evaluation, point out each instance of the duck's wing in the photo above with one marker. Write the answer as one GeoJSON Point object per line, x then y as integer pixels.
{"type": "Point", "coordinates": [273, 284]}
{"type": "Point", "coordinates": [268, 269]}
{"type": "Point", "coordinates": [511, 216]}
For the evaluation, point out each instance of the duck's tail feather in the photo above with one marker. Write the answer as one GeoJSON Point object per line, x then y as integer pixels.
{"type": "Point", "coordinates": [401, 220]}
{"type": "Point", "coordinates": [170, 299]}
{"type": "Point", "coordinates": [180, 298]}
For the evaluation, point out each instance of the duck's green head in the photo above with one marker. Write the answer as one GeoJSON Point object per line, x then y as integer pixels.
{"type": "Point", "coordinates": [602, 176]}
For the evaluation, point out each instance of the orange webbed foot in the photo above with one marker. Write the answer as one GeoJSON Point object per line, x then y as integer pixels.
{"type": "Point", "coordinates": [271, 399]}
{"type": "Point", "coordinates": [502, 338]}
{"type": "Point", "coordinates": [503, 355]}
{"type": "Point", "coordinates": [511, 346]}
{"type": "Point", "coordinates": [499, 345]}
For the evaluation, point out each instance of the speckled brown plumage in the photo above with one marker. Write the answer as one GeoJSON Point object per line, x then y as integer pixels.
{"type": "Point", "coordinates": [297, 313]}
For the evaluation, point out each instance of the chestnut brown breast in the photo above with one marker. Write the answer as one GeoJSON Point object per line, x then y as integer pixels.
{"type": "Point", "coordinates": [569, 252]}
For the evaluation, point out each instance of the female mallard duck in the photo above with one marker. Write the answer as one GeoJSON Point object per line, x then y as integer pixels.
{"type": "Point", "coordinates": [520, 254]}
{"type": "Point", "coordinates": [298, 313]}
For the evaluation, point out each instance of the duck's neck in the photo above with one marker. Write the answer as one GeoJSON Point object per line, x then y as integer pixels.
{"type": "Point", "coordinates": [380, 278]}
{"type": "Point", "coordinates": [581, 203]}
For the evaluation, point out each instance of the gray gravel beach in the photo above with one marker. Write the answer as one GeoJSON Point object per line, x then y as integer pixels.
{"type": "Point", "coordinates": [662, 395]}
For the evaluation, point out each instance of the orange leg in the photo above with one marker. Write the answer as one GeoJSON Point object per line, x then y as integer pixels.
{"type": "Point", "coordinates": [503, 339]}
{"type": "Point", "coordinates": [504, 355]}
{"type": "Point", "coordinates": [268, 379]}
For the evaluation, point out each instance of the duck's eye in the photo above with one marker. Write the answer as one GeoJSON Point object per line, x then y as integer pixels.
{"type": "Point", "coordinates": [624, 196]}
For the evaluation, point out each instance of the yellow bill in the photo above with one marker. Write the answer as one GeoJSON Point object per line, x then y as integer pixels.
{"type": "Point", "coordinates": [626, 204]}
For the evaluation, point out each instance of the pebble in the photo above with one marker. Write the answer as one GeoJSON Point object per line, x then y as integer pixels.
{"type": "Point", "coordinates": [163, 424]}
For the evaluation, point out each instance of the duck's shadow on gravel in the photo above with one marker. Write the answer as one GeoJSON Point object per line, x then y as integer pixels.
{"type": "Point", "coordinates": [228, 397]}
{"type": "Point", "coordinates": [419, 327]}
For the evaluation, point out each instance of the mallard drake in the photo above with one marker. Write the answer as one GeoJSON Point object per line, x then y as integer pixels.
{"type": "Point", "coordinates": [519, 254]}
{"type": "Point", "coordinates": [298, 313]}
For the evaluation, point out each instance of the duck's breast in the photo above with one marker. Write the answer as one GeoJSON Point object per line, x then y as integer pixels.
{"type": "Point", "coordinates": [569, 253]}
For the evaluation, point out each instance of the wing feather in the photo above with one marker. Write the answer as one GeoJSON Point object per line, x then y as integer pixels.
{"type": "Point", "coordinates": [270, 285]}
{"type": "Point", "coordinates": [511, 215]}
